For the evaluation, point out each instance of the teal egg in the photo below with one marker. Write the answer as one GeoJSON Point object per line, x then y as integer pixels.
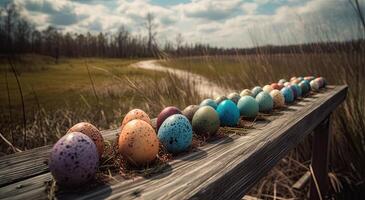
{"type": "Point", "coordinates": [304, 85]}
{"type": "Point", "coordinates": [288, 94]}
{"type": "Point", "coordinates": [209, 102]}
{"type": "Point", "coordinates": [176, 133]}
{"type": "Point", "coordinates": [248, 106]}
{"type": "Point", "coordinates": [256, 90]}
{"type": "Point", "coordinates": [234, 96]}
{"type": "Point", "coordinates": [298, 90]}
{"type": "Point", "coordinates": [228, 113]}
{"type": "Point", "coordinates": [265, 102]}
{"type": "Point", "coordinates": [206, 121]}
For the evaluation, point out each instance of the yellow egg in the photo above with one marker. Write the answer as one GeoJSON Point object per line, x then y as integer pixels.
{"type": "Point", "coordinates": [278, 98]}
{"type": "Point", "coordinates": [92, 132]}
{"type": "Point", "coordinates": [136, 114]}
{"type": "Point", "coordinates": [138, 142]}
{"type": "Point", "coordinates": [267, 88]}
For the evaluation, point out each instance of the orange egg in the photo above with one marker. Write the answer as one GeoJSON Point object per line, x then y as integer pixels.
{"type": "Point", "coordinates": [91, 131]}
{"type": "Point", "coordinates": [135, 114]}
{"type": "Point", "coordinates": [138, 142]}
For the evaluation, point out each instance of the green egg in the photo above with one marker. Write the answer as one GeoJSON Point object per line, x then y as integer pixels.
{"type": "Point", "coordinates": [265, 102]}
{"type": "Point", "coordinates": [205, 121]}
{"type": "Point", "coordinates": [248, 106]}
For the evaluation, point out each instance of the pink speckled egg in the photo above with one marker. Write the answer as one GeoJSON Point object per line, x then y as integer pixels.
{"type": "Point", "coordinates": [135, 114]}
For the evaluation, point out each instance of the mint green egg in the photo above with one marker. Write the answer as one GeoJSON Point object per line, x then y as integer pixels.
{"type": "Point", "coordinates": [248, 106]}
{"type": "Point", "coordinates": [265, 102]}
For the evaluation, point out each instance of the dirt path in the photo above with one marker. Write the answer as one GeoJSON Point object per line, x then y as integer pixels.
{"type": "Point", "coordinates": [203, 86]}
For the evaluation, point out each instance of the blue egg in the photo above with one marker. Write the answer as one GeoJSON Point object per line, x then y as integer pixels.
{"type": "Point", "coordinates": [288, 94]}
{"type": "Point", "coordinates": [209, 102]}
{"type": "Point", "coordinates": [256, 90]}
{"type": "Point", "coordinates": [298, 89]}
{"type": "Point", "coordinates": [176, 133]}
{"type": "Point", "coordinates": [305, 86]}
{"type": "Point", "coordinates": [228, 113]}
{"type": "Point", "coordinates": [265, 102]}
{"type": "Point", "coordinates": [248, 106]}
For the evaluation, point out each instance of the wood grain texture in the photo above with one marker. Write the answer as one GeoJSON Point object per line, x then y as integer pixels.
{"type": "Point", "coordinates": [224, 169]}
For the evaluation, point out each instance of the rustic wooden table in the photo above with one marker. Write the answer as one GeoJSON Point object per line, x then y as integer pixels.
{"type": "Point", "coordinates": [223, 169]}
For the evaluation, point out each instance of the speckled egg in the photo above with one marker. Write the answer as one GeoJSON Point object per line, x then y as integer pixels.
{"type": "Point", "coordinates": [246, 92]}
{"type": "Point", "coordinates": [305, 86]}
{"type": "Point", "coordinates": [267, 88]}
{"type": "Point", "coordinates": [91, 131]}
{"type": "Point", "coordinates": [320, 81]}
{"type": "Point", "coordinates": [206, 121]}
{"type": "Point", "coordinates": [189, 111]}
{"type": "Point", "coordinates": [278, 98]}
{"type": "Point", "coordinates": [138, 142]}
{"type": "Point", "coordinates": [209, 102]}
{"type": "Point", "coordinates": [234, 96]}
{"type": "Point", "coordinates": [314, 85]}
{"type": "Point", "coordinates": [74, 159]}
{"type": "Point", "coordinates": [165, 113]}
{"type": "Point", "coordinates": [219, 99]}
{"type": "Point", "coordinates": [282, 81]}
{"type": "Point", "coordinates": [265, 102]}
{"type": "Point", "coordinates": [135, 114]}
{"type": "Point", "coordinates": [256, 90]}
{"type": "Point", "coordinates": [228, 113]}
{"type": "Point", "coordinates": [288, 94]}
{"type": "Point", "coordinates": [298, 90]}
{"type": "Point", "coordinates": [276, 86]}
{"type": "Point", "coordinates": [176, 133]}
{"type": "Point", "coordinates": [248, 106]}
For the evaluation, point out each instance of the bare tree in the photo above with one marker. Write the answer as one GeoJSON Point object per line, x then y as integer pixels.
{"type": "Point", "coordinates": [151, 26]}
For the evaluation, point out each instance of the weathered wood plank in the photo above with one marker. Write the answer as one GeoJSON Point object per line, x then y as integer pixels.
{"type": "Point", "coordinates": [224, 169]}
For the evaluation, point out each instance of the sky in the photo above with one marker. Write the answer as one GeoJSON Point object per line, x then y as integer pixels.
{"type": "Point", "coordinates": [225, 23]}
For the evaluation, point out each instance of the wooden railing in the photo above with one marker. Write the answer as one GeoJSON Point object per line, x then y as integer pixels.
{"type": "Point", "coordinates": [223, 169]}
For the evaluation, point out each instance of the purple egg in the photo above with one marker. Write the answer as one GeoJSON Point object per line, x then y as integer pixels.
{"type": "Point", "coordinates": [165, 113]}
{"type": "Point", "coordinates": [74, 159]}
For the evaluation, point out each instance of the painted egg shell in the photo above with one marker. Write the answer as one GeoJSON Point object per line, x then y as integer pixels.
{"type": "Point", "coordinates": [295, 81]}
{"type": "Point", "coordinates": [293, 78]}
{"type": "Point", "coordinates": [91, 131]}
{"type": "Point", "coordinates": [176, 133]}
{"type": "Point", "coordinates": [276, 86]}
{"type": "Point", "coordinates": [74, 159]}
{"type": "Point", "coordinates": [305, 86]}
{"type": "Point", "coordinates": [135, 114]}
{"type": "Point", "coordinates": [248, 106]}
{"type": "Point", "coordinates": [286, 84]}
{"type": "Point", "coordinates": [267, 88]}
{"type": "Point", "coordinates": [189, 111]}
{"type": "Point", "coordinates": [138, 142]}
{"type": "Point", "coordinates": [300, 78]}
{"type": "Point", "coordinates": [219, 99]}
{"type": "Point", "coordinates": [234, 96]}
{"type": "Point", "coordinates": [228, 113]}
{"type": "Point", "coordinates": [282, 81]}
{"type": "Point", "coordinates": [298, 90]}
{"type": "Point", "coordinates": [209, 102]}
{"type": "Point", "coordinates": [314, 85]}
{"type": "Point", "coordinates": [256, 90]}
{"type": "Point", "coordinates": [165, 113]}
{"type": "Point", "coordinates": [288, 94]}
{"type": "Point", "coordinates": [309, 78]}
{"type": "Point", "coordinates": [294, 89]}
{"type": "Point", "coordinates": [246, 92]}
{"type": "Point", "coordinates": [320, 81]}
{"type": "Point", "coordinates": [206, 121]}
{"type": "Point", "coordinates": [265, 102]}
{"type": "Point", "coordinates": [278, 98]}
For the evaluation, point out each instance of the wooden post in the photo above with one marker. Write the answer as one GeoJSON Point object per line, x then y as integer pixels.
{"type": "Point", "coordinates": [320, 151]}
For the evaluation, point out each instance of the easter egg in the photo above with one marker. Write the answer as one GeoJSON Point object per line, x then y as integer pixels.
{"type": "Point", "coordinates": [276, 86]}
{"type": "Point", "coordinates": [248, 106]}
{"type": "Point", "coordinates": [314, 85]}
{"type": "Point", "coordinates": [286, 84]}
{"type": "Point", "coordinates": [209, 102]}
{"type": "Point", "coordinates": [267, 88]}
{"type": "Point", "coordinates": [298, 90]}
{"type": "Point", "coordinates": [228, 113]}
{"type": "Point", "coordinates": [300, 78]}
{"type": "Point", "coordinates": [265, 102]}
{"type": "Point", "coordinates": [135, 114]}
{"type": "Point", "coordinates": [309, 78]}
{"type": "Point", "coordinates": [288, 94]}
{"type": "Point", "coordinates": [278, 98]}
{"type": "Point", "coordinates": [246, 92]}
{"type": "Point", "coordinates": [294, 89]}
{"type": "Point", "coordinates": [282, 81]}
{"type": "Point", "coordinates": [189, 111]}
{"type": "Point", "coordinates": [219, 99]}
{"type": "Point", "coordinates": [138, 142]}
{"type": "Point", "coordinates": [295, 81]}
{"type": "Point", "coordinates": [205, 121]}
{"type": "Point", "coordinates": [176, 133]}
{"type": "Point", "coordinates": [320, 81]}
{"type": "Point", "coordinates": [165, 113]}
{"type": "Point", "coordinates": [293, 78]}
{"type": "Point", "coordinates": [92, 132]}
{"type": "Point", "coordinates": [234, 96]}
{"type": "Point", "coordinates": [256, 90]}
{"type": "Point", "coordinates": [305, 86]}
{"type": "Point", "coordinates": [74, 159]}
